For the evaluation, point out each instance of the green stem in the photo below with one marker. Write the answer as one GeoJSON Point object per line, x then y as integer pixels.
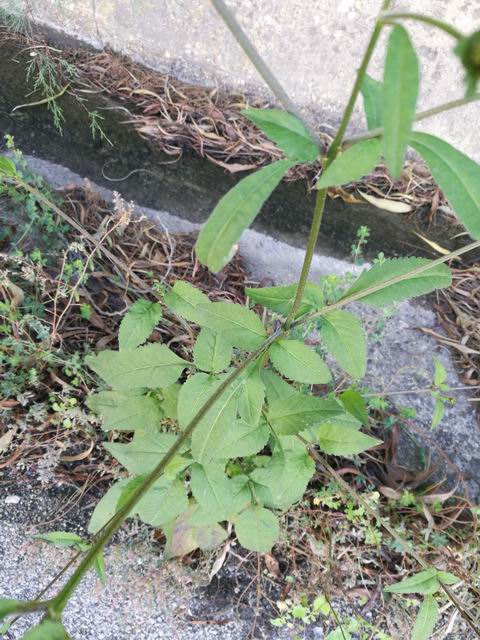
{"type": "Point", "coordinates": [386, 283]}
{"type": "Point", "coordinates": [59, 602]}
{"type": "Point", "coordinates": [391, 18]}
{"type": "Point", "coordinates": [260, 65]}
{"type": "Point", "coordinates": [421, 115]}
{"type": "Point", "coordinates": [331, 155]}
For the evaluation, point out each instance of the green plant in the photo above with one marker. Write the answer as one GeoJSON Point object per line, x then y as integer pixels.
{"type": "Point", "coordinates": [220, 434]}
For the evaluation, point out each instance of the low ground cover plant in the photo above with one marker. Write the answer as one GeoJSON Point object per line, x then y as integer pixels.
{"type": "Point", "coordinates": [227, 437]}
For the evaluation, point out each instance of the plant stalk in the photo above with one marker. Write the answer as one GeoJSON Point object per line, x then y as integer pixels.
{"type": "Point", "coordinates": [331, 155]}
{"type": "Point", "coordinates": [260, 65]}
{"type": "Point", "coordinates": [421, 115]}
{"type": "Point", "coordinates": [392, 17]}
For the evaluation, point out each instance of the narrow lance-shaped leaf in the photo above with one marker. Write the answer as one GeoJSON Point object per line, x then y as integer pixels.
{"type": "Point", "coordinates": [425, 582]}
{"type": "Point", "coordinates": [372, 93]}
{"type": "Point", "coordinates": [235, 212]}
{"type": "Point", "coordinates": [400, 90]}
{"type": "Point", "coordinates": [287, 131]}
{"type": "Point", "coordinates": [7, 167]}
{"type": "Point", "coordinates": [138, 323]}
{"type": "Point", "coordinates": [426, 619]}
{"type": "Point", "coordinates": [394, 284]}
{"type": "Point", "coordinates": [457, 175]}
{"type": "Point", "coordinates": [354, 163]}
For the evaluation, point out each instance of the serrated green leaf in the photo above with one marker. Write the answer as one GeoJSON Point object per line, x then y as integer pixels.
{"type": "Point", "coordinates": [138, 323]}
{"type": "Point", "coordinates": [209, 435]}
{"type": "Point", "coordinates": [240, 326]}
{"type": "Point", "coordinates": [216, 493]}
{"type": "Point", "coordinates": [343, 336]}
{"type": "Point", "coordinates": [400, 91]}
{"type": "Point", "coordinates": [107, 506]}
{"type": "Point", "coordinates": [276, 387]}
{"type": "Point", "coordinates": [165, 501]}
{"type": "Point", "coordinates": [7, 167]}
{"type": "Point", "coordinates": [151, 366]}
{"type": "Point", "coordinates": [124, 412]}
{"type": "Point", "coordinates": [193, 395]}
{"type": "Point", "coordinates": [235, 212]}
{"type": "Point", "coordinates": [243, 439]}
{"type": "Point", "coordinates": [343, 441]}
{"type": "Point", "coordinates": [212, 351]}
{"type": "Point", "coordinates": [59, 538]}
{"type": "Point", "coordinates": [292, 414]}
{"type": "Point", "coordinates": [183, 299]}
{"type": "Point", "coordinates": [372, 92]}
{"type": "Point", "coordinates": [257, 529]}
{"type": "Point", "coordinates": [426, 619]}
{"type": "Point", "coordinates": [183, 536]}
{"type": "Point", "coordinates": [384, 275]}
{"type": "Point", "coordinates": [280, 299]}
{"type": "Point", "coordinates": [252, 395]}
{"type": "Point", "coordinates": [283, 480]}
{"type": "Point", "coordinates": [287, 131]}
{"type": "Point", "coordinates": [355, 404]}
{"type": "Point", "coordinates": [457, 175]}
{"type": "Point", "coordinates": [355, 162]}
{"type": "Point", "coordinates": [297, 361]}
{"type": "Point", "coordinates": [425, 582]}
{"type": "Point", "coordinates": [142, 454]}
{"type": "Point", "coordinates": [47, 630]}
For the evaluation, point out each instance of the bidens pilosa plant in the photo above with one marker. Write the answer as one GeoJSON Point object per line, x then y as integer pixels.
{"type": "Point", "coordinates": [230, 432]}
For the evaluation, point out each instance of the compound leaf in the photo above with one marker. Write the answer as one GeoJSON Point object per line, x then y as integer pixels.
{"type": "Point", "coordinates": [235, 212]}
{"type": "Point", "coordinates": [392, 283]}
{"type": "Point", "coordinates": [151, 366]}
{"type": "Point", "coordinates": [400, 91]}
{"type": "Point", "coordinates": [342, 333]}
{"type": "Point", "coordinates": [352, 164]}
{"type": "Point", "coordinates": [287, 131]}
{"type": "Point", "coordinates": [457, 175]}
{"type": "Point", "coordinates": [138, 323]}
{"type": "Point", "coordinates": [165, 501]}
{"type": "Point", "coordinates": [257, 529]}
{"type": "Point", "coordinates": [297, 361]}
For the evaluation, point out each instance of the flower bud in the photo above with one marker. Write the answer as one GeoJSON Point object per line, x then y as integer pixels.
{"type": "Point", "coordinates": [468, 50]}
